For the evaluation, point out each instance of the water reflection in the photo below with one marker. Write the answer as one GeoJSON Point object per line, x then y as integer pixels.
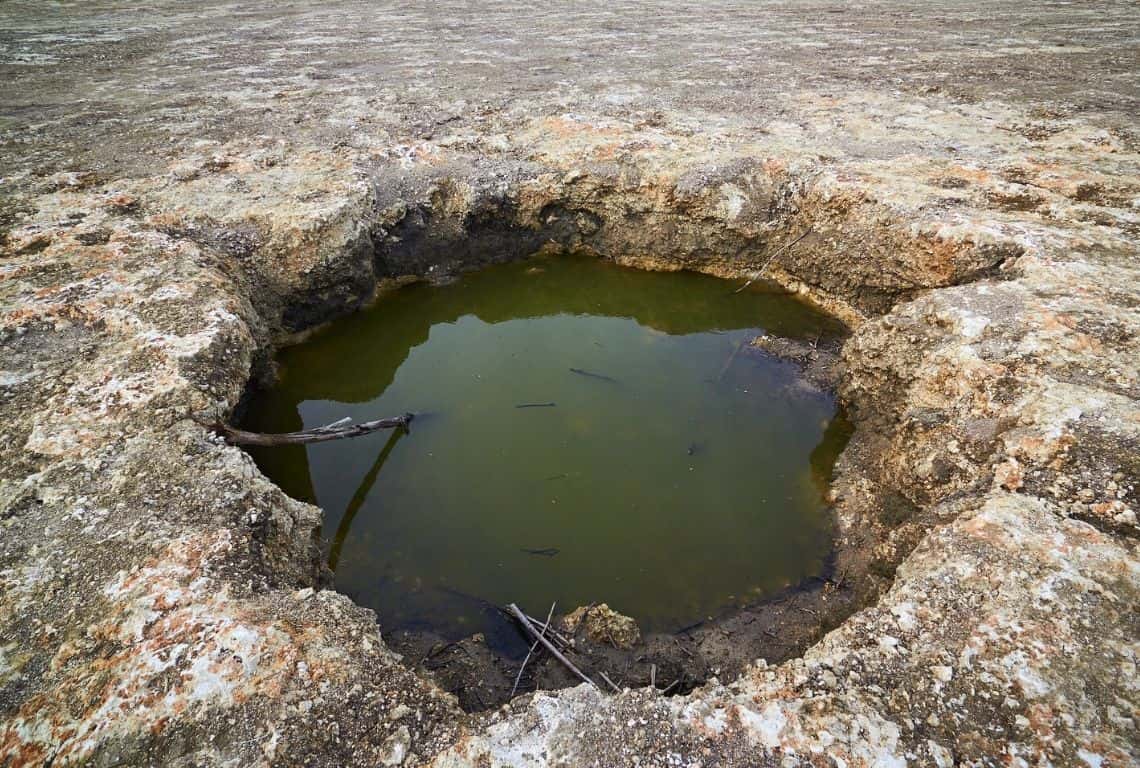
{"type": "Point", "coordinates": [357, 500]}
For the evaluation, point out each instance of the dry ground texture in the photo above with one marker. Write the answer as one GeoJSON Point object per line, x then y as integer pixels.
{"type": "Point", "coordinates": [183, 185]}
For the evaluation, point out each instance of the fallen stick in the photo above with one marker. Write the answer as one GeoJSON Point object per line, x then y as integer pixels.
{"type": "Point", "coordinates": [545, 626]}
{"type": "Point", "coordinates": [611, 682]}
{"type": "Point", "coordinates": [592, 375]}
{"type": "Point", "coordinates": [778, 251]}
{"type": "Point", "coordinates": [728, 363]}
{"type": "Point", "coordinates": [338, 430]}
{"type": "Point", "coordinates": [518, 614]}
{"type": "Point", "coordinates": [554, 634]}
{"type": "Point", "coordinates": [535, 405]}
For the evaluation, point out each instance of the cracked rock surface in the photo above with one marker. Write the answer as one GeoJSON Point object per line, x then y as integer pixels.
{"type": "Point", "coordinates": [184, 186]}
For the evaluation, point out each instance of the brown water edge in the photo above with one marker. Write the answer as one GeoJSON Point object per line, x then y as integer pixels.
{"type": "Point", "coordinates": [771, 630]}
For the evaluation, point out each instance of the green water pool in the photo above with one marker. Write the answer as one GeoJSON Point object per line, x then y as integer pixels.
{"type": "Point", "coordinates": [658, 465]}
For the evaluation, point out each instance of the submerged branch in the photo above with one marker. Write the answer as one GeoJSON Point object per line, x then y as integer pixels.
{"type": "Point", "coordinates": [338, 430]}
{"type": "Point", "coordinates": [592, 375]}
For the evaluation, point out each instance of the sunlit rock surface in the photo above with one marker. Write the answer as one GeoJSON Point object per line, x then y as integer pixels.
{"type": "Point", "coordinates": [183, 185]}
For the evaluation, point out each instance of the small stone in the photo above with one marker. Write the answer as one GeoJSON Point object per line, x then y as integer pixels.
{"type": "Point", "coordinates": [943, 673]}
{"type": "Point", "coordinates": [303, 594]}
{"type": "Point", "coordinates": [941, 756]}
{"type": "Point", "coordinates": [396, 747]}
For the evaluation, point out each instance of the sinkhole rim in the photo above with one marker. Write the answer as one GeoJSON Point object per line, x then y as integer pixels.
{"type": "Point", "coordinates": [796, 592]}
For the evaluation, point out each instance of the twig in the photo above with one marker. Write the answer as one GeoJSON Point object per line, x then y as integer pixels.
{"type": "Point", "coordinates": [611, 682]}
{"type": "Point", "coordinates": [535, 405]}
{"type": "Point", "coordinates": [334, 425]}
{"type": "Point", "coordinates": [545, 626]}
{"type": "Point", "coordinates": [592, 375]}
{"type": "Point", "coordinates": [778, 251]}
{"type": "Point", "coordinates": [671, 686]}
{"type": "Point", "coordinates": [518, 614]}
{"type": "Point", "coordinates": [338, 430]}
{"type": "Point", "coordinates": [554, 633]}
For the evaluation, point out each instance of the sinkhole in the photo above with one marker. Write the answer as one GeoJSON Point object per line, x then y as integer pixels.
{"type": "Point", "coordinates": [584, 433]}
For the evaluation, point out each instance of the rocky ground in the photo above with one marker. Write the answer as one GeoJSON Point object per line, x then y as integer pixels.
{"type": "Point", "coordinates": [186, 185]}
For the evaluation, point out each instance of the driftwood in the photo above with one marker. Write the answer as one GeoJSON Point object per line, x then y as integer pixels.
{"type": "Point", "coordinates": [552, 634]}
{"type": "Point", "coordinates": [545, 552]}
{"type": "Point", "coordinates": [589, 374]}
{"type": "Point", "coordinates": [540, 637]}
{"type": "Point", "coordinates": [777, 252]}
{"type": "Point", "coordinates": [545, 627]}
{"type": "Point", "coordinates": [338, 430]}
{"type": "Point", "coordinates": [611, 682]}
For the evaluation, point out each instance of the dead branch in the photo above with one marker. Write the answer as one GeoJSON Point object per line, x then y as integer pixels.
{"type": "Point", "coordinates": [522, 619]}
{"type": "Point", "coordinates": [592, 375]}
{"type": "Point", "coordinates": [338, 430]}
{"type": "Point", "coordinates": [777, 252]}
{"type": "Point", "coordinates": [611, 682]}
{"type": "Point", "coordinates": [545, 626]}
{"type": "Point", "coordinates": [553, 633]}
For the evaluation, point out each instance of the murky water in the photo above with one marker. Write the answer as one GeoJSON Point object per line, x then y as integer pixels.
{"type": "Point", "coordinates": [654, 466]}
